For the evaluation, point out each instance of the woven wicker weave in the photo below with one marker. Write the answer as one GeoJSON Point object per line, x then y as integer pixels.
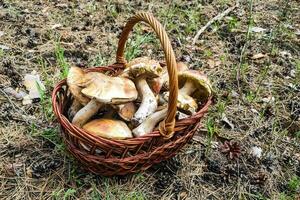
{"type": "Point", "coordinates": [119, 157]}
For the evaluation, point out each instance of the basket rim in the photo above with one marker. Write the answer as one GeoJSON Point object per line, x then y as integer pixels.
{"type": "Point", "coordinates": [90, 138]}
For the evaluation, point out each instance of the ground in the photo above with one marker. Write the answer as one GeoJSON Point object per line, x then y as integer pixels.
{"type": "Point", "coordinates": [255, 75]}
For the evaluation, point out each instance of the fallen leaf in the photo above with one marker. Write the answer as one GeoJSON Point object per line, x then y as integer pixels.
{"type": "Point", "coordinates": [34, 85]}
{"type": "Point", "coordinates": [226, 121]}
{"type": "Point", "coordinates": [257, 29]}
{"type": "Point", "coordinates": [254, 110]}
{"type": "Point", "coordinates": [55, 26]}
{"type": "Point", "coordinates": [258, 56]}
{"type": "Point", "coordinates": [234, 94]}
{"type": "Point", "coordinates": [19, 95]}
{"type": "Point", "coordinates": [268, 99]}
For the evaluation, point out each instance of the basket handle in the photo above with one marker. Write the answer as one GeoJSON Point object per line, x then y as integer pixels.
{"type": "Point", "coordinates": [166, 127]}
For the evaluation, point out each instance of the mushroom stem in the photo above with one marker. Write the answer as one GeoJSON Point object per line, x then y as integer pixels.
{"type": "Point", "coordinates": [149, 124]}
{"type": "Point", "coordinates": [148, 104]}
{"type": "Point", "coordinates": [159, 82]}
{"type": "Point", "coordinates": [188, 88]}
{"type": "Point", "coordinates": [74, 108]}
{"type": "Point", "coordinates": [85, 113]}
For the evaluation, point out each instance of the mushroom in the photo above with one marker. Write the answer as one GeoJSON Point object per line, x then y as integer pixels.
{"type": "Point", "coordinates": [75, 81]}
{"type": "Point", "coordinates": [103, 89]}
{"type": "Point", "coordinates": [126, 111]}
{"type": "Point", "coordinates": [194, 81]}
{"type": "Point", "coordinates": [163, 80]}
{"type": "Point", "coordinates": [149, 124]}
{"type": "Point", "coordinates": [140, 69]}
{"type": "Point", "coordinates": [108, 128]}
{"type": "Point", "coordinates": [184, 103]}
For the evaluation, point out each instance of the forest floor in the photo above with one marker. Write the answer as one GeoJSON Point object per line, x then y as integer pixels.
{"type": "Point", "coordinates": [252, 57]}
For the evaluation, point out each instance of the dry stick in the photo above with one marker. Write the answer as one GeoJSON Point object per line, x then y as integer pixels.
{"type": "Point", "coordinates": [216, 18]}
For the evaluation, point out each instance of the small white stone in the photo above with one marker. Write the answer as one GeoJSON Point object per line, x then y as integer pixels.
{"type": "Point", "coordinates": [285, 54]}
{"type": "Point", "coordinates": [293, 73]}
{"type": "Point", "coordinates": [254, 110]}
{"type": "Point", "coordinates": [234, 94]}
{"type": "Point", "coordinates": [256, 151]}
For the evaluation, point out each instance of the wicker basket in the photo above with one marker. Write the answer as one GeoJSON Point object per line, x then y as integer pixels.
{"type": "Point", "coordinates": [119, 157]}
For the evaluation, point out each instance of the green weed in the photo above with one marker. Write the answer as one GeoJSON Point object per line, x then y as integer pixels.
{"type": "Point", "coordinates": [98, 60]}
{"type": "Point", "coordinates": [233, 23]}
{"type": "Point", "coordinates": [211, 130]}
{"type": "Point", "coordinates": [293, 187]}
{"type": "Point", "coordinates": [64, 195]}
{"type": "Point", "coordinates": [207, 53]}
{"type": "Point", "coordinates": [61, 61]}
{"type": "Point", "coordinates": [135, 45]}
{"type": "Point", "coordinates": [49, 134]}
{"type": "Point", "coordinates": [250, 96]}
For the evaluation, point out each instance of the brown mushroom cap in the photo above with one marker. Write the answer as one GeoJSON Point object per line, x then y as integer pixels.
{"type": "Point", "coordinates": [126, 111]}
{"type": "Point", "coordinates": [142, 66]}
{"type": "Point", "coordinates": [200, 82]}
{"type": "Point", "coordinates": [109, 90]}
{"type": "Point", "coordinates": [75, 81]}
{"type": "Point", "coordinates": [108, 128]}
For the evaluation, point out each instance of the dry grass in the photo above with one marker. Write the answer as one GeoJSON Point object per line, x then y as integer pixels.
{"type": "Point", "coordinates": [33, 161]}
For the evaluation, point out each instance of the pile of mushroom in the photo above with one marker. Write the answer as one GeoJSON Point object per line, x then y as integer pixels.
{"type": "Point", "coordinates": [133, 103]}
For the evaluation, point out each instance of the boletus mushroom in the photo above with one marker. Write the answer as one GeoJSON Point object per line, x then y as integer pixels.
{"type": "Point", "coordinates": [108, 128]}
{"type": "Point", "coordinates": [185, 103]}
{"type": "Point", "coordinates": [126, 111]}
{"type": "Point", "coordinates": [141, 69]}
{"type": "Point", "coordinates": [76, 81]}
{"type": "Point", "coordinates": [163, 81]}
{"type": "Point", "coordinates": [103, 89]}
{"type": "Point", "coordinates": [193, 81]}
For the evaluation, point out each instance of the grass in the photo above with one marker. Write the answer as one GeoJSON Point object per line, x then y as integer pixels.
{"type": "Point", "coordinates": [64, 195]}
{"type": "Point", "coordinates": [135, 45]}
{"type": "Point", "coordinates": [293, 187]}
{"type": "Point", "coordinates": [211, 130]}
{"type": "Point", "coordinates": [98, 60]}
{"type": "Point", "coordinates": [239, 71]}
{"type": "Point", "coordinates": [49, 134]}
{"type": "Point", "coordinates": [61, 60]}
{"type": "Point", "coordinates": [256, 123]}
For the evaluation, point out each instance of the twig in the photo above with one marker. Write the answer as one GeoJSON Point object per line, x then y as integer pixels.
{"type": "Point", "coordinates": [216, 18]}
